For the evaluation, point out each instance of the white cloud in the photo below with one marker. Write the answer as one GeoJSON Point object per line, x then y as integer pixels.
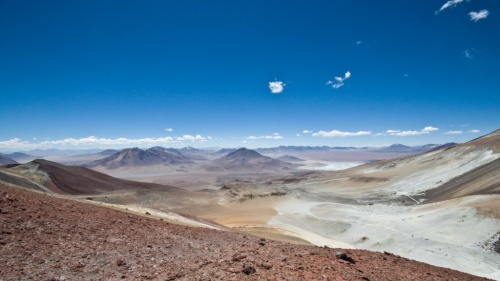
{"type": "Point", "coordinates": [191, 138]}
{"type": "Point", "coordinates": [277, 87]}
{"type": "Point", "coordinates": [307, 132]}
{"type": "Point", "coordinates": [429, 129]}
{"type": "Point", "coordinates": [339, 81]}
{"type": "Point", "coordinates": [336, 133]}
{"type": "Point", "coordinates": [14, 143]}
{"type": "Point", "coordinates": [474, 131]}
{"type": "Point", "coordinates": [400, 133]}
{"type": "Point", "coordinates": [169, 129]}
{"type": "Point", "coordinates": [359, 42]}
{"type": "Point", "coordinates": [96, 142]}
{"type": "Point", "coordinates": [451, 3]}
{"type": "Point", "coordinates": [475, 16]}
{"type": "Point", "coordinates": [298, 135]}
{"type": "Point", "coordinates": [275, 136]}
{"type": "Point", "coordinates": [453, 132]}
{"type": "Point", "coordinates": [403, 133]}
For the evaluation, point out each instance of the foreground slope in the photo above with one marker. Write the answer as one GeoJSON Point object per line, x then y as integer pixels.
{"type": "Point", "coordinates": [77, 241]}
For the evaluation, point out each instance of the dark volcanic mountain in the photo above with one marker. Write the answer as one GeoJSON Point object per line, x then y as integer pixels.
{"type": "Point", "coordinates": [400, 148]}
{"type": "Point", "coordinates": [226, 150]}
{"type": "Point", "coordinates": [108, 152]}
{"type": "Point", "coordinates": [289, 158]}
{"type": "Point", "coordinates": [18, 156]}
{"type": "Point", "coordinates": [136, 157]}
{"type": "Point", "coordinates": [246, 160]}
{"type": "Point", "coordinates": [45, 175]}
{"type": "Point", "coordinates": [6, 161]}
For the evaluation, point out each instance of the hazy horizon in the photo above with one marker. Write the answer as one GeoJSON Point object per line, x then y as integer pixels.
{"type": "Point", "coordinates": [94, 74]}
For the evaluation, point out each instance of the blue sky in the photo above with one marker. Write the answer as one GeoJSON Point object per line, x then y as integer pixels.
{"type": "Point", "coordinates": [81, 74]}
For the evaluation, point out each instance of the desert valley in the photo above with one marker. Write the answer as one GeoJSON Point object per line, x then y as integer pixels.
{"type": "Point", "coordinates": [271, 213]}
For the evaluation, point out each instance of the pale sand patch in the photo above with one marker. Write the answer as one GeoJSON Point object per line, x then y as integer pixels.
{"type": "Point", "coordinates": [247, 217]}
{"type": "Point", "coordinates": [143, 211]}
{"type": "Point", "coordinates": [439, 234]}
{"type": "Point", "coordinates": [327, 165]}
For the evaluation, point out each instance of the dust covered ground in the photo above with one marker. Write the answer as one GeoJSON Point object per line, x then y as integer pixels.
{"type": "Point", "coordinates": [48, 238]}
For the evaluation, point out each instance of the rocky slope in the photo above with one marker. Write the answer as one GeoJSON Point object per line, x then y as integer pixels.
{"type": "Point", "coordinates": [48, 238]}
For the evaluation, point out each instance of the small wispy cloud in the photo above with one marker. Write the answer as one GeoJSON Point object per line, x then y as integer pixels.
{"type": "Point", "coordinates": [359, 42]}
{"type": "Point", "coordinates": [169, 129]}
{"type": "Point", "coordinates": [470, 53]}
{"type": "Point", "coordinates": [474, 131]}
{"type": "Point", "coordinates": [307, 132]}
{"type": "Point", "coordinates": [274, 136]}
{"type": "Point", "coordinates": [336, 133]}
{"type": "Point", "coordinates": [448, 4]}
{"type": "Point", "coordinates": [339, 81]}
{"type": "Point", "coordinates": [453, 132]}
{"type": "Point", "coordinates": [400, 133]}
{"type": "Point", "coordinates": [276, 87]}
{"type": "Point", "coordinates": [467, 54]}
{"type": "Point", "coordinates": [475, 16]}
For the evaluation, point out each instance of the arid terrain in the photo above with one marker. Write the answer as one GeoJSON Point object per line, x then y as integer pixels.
{"type": "Point", "coordinates": [48, 238]}
{"type": "Point", "coordinates": [439, 206]}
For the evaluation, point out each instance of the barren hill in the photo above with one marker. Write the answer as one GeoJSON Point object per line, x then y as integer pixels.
{"type": "Point", "coordinates": [6, 161]}
{"type": "Point", "coordinates": [136, 157]}
{"type": "Point", "coordinates": [50, 176]}
{"type": "Point", "coordinates": [289, 158]}
{"type": "Point", "coordinates": [417, 175]}
{"type": "Point", "coordinates": [247, 160]}
{"type": "Point", "coordinates": [18, 156]}
{"type": "Point", "coordinates": [78, 241]}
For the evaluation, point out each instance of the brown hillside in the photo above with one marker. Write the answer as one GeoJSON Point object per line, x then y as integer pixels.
{"type": "Point", "coordinates": [482, 180]}
{"type": "Point", "coordinates": [76, 180]}
{"type": "Point", "coordinates": [49, 238]}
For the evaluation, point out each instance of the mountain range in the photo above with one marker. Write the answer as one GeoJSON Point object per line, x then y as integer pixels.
{"type": "Point", "coordinates": [136, 157]}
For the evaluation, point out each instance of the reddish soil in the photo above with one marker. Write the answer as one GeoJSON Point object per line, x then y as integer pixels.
{"type": "Point", "coordinates": [48, 238]}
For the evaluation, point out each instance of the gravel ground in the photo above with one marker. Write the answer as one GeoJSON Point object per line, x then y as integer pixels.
{"type": "Point", "coordinates": [48, 238]}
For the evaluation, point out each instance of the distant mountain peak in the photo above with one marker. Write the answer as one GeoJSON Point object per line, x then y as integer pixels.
{"type": "Point", "coordinates": [136, 157]}
{"type": "Point", "coordinates": [244, 153]}
{"type": "Point", "coordinates": [247, 160]}
{"type": "Point", "coordinates": [398, 145]}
